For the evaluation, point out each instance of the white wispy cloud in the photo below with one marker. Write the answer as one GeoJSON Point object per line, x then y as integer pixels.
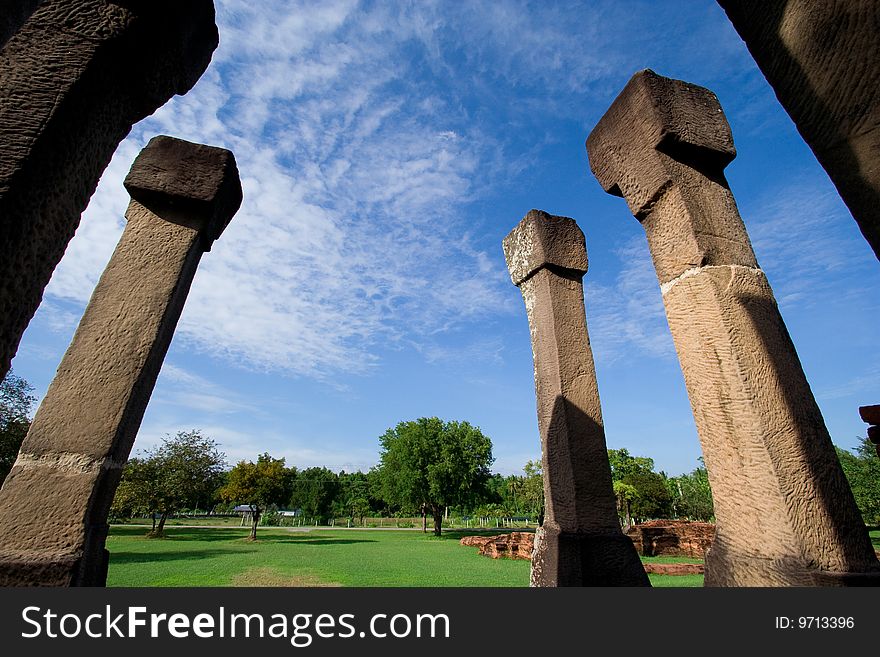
{"type": "Point", "coordinates": [360, 145]}
{"type": "Point", "coordinates": [350, 232]}
{"type": "Point", "coordinates": [854, 387]}
{"type": "Point", "coordinates": [805, 240]}
{"type": "Point", "coordinates": [180, 388]}
{"type": "Point", "coordinates": [626, 318]}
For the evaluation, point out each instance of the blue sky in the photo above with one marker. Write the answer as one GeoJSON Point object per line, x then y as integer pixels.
{"type": "Point", "coordinates": [385, 149]}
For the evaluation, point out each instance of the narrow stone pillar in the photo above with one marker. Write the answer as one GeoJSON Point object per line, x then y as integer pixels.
{"type": "Point", "coordinates": [822, 60]}
{"type": "Point", "coordinates": [55, 501]}
{"type": "Point", "coordinates": [580, 542]}
{"type": "Point", "coordinates": [73, 80]}
{"type": "Point", "coordinates": [785, 513]}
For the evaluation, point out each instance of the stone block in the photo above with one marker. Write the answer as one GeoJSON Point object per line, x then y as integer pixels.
{"type": "Point", "coordinates": [656, 113]}
{"type": "Point", "coordinates": [192, 179]}
{"type": "Point", "coordinates": [544, 240]}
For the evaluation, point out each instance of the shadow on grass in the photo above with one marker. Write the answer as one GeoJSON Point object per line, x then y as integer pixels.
{"type": "Point", "coordinates": [179, 534]}
{"type": "Point", "coordinates": [311, 540]}
{"type": "Point", "coordinates": [458, 534]}
{"type": "Point", "coordinates": [232, 535]}
{"type": "Point", "coordinates": [124, 558]}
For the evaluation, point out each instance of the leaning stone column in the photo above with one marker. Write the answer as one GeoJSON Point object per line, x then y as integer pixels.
{"type": "Point", "coordinates": [73, 80]}
{"type": "Point", "coordinates": [785, 513]}
{"type": "Point", "coordinates": [822, 60]}
{"type": "Point", "coordinates": [580, 543]}
{"type": "Point", "coordinates": [54, 503]}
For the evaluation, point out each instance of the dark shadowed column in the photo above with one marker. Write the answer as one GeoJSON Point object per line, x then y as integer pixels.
{"type": "Point", "coordinates": [580, 542]}
{"type": "Point", "coordinates": [785, 512]}
{"type": "Point", "coordinates": [822, 60]}
{"type": "Point", "coordinates": [13, 14]}
{"type": "Point", "coordinates": [871, 415]}
{"type": "Point", "coordinates": [55, 501]}
{"type": "Point", "coordinates": [73, 80]}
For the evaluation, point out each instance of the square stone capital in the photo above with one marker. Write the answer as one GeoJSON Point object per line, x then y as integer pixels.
{"type": "Point", "coordinates": [657, 114]}
{"type": "Point", "coordinates": [544, 240]}
{"type": "Point", "coordinates": [195, 180]}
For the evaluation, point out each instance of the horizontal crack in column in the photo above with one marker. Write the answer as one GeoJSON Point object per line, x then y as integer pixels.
{"type": "Point", "coordinates": [68, 462]}
{"type": "Point", "coordinates": [668, 285]}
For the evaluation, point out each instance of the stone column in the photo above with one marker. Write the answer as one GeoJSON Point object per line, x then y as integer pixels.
{"type": "Point", "coordinates": [73, 80]}
{"type": "Point", "coordinates": [580, 542]}
{"type": "Point", "coordinates": [54, 503]}
{"type": "Point", "coordinates": [785, 513]}
{"type": "Point", "coordinates": [822, 60]}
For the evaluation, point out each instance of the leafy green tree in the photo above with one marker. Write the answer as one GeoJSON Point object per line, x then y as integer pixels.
{"type": "Point", "coordinates": [652, 498]}
{"type": "Point", "coordinates": [862, 470]}
{"type": "Point", "coordinates": [353, 499]}
{"type": "Point", "coordinates": [258, 485]}
{"type": "Point", "coordinates": [184, 471]}
{"type": "Point", "coordinates": [315, 491]}
{"type": "Point", "coordinates": [16, 401]}
{"type": "Point", "coordinates": [533, 490]}
{"type": "Point", "coordinates": [692, 495]}
{"type": "Point", "coordinates": [625, 494]}
{"type": "Point", "coordinates": [434, 464]}
{"type": "Point", "coordinates": [139, 491]}
{"type": "Point", "coordinates": [623, 464]}
{"type": "Point", "coordinates": [627, 472]}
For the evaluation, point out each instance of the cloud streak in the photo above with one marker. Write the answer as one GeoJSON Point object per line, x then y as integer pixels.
{"type": "Point", "coordinates": [351, 232]}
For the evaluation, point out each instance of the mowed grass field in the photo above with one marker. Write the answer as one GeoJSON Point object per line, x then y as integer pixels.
{"type": "Point", "coordinates": [362, 558]}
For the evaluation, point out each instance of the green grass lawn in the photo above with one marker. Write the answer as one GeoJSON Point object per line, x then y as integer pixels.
{"type": "Point", "coordinates": [364, 558]}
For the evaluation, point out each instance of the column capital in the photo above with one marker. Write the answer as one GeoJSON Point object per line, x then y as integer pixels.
{"type": "Point", "coordinates": [199, 181]}
{"type": "Point", "coordinates": [544, 240]}
{"type": "Point", "coordinates": [653, 115]}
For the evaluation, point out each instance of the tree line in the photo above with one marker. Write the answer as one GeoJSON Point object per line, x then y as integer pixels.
{"type": "Point", "coordinates": [427, 467]}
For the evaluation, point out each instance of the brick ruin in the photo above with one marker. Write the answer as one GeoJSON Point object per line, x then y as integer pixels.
{"type": "Point", "coordinates": [672, 538]}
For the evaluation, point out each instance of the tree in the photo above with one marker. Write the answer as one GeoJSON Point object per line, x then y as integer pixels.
{"type": "Point", "coordinates": [183, 472]}
{"type": "Point", "coordinates": [353, 501]}
{"type": "Point", "coordinates": [862, 470]}
{"type": "Point", "coordinates": [652, 498]}
{"type": "Point", "coordinates": [315, 491]}
{"type": "Point", "coordinates": [533, 490]}
{"type": "Point", "coordinates": [625, 494]}
{"type": "Point", "coordinates": [139, 491]}
{"type": "Point", "coordinates": [623, 464]}
{"type": "Point", "coordinates": [436, 464]}
{"type": "Point", "coordinates": [258, 485]}
{"type": "Point", "coordinates": [626, 471]}
{"type": "Point", "coordinates": [692, 495]}
{"type": "Point", "coordinates": [16, 401]}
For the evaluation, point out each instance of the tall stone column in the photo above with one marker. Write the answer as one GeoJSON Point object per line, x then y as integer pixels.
{"type": "Point", "coordinates": [55, 501]}
{"type": "Point", "coordinates": [580, 542]}
{"type": "Point", "coordinates": [822, 60]}
{"type": "Point", "coordinates": [785, 513]}
{"type": "Point", "coordinates": [73, 80]}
